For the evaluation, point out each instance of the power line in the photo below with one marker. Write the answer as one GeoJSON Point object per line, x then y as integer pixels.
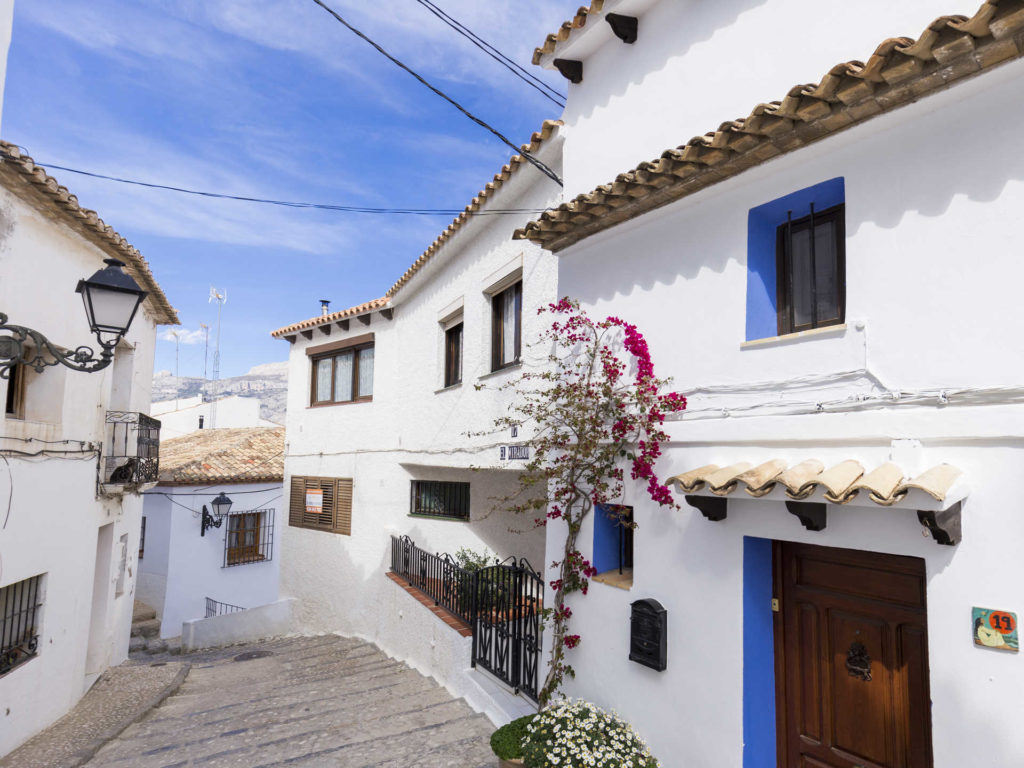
{"type": "Point", "coordinates": [543, 168]}
{"type": "Point", "coordinates": [527, 77]}
{"type": "Point", "coordinates": [290, 204]}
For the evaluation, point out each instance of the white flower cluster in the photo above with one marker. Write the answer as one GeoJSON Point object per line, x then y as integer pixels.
{"type": "Point", "coordinates": [572, 733]}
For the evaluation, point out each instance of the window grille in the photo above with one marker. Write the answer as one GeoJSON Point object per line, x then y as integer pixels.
{"type": "Point", "coordinates": [132, 452]}
{"type": "Point", "coordinates": [19, 622]}
{"type": "Point", "coordinates": [435, 498]}
{"type": "Point", "coordinates": [249, 538]}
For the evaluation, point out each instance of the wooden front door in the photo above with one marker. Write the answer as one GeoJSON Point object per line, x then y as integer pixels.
{"type": "Point", "coordinates": [851, 659]}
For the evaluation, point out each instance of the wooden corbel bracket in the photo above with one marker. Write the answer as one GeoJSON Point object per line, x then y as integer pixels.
{"type": "Point", "coordinates": [624, 27]}
{"type": "Point", "coordinates": [711, 507]}
{"type": "Point", "coordinates": [944, 526]}
{"type": "Point", "coordinates": [811, 514]}
{"type": "Point", "coordinates": [570, 69]}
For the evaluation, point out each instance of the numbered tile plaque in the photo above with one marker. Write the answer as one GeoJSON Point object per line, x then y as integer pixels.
{"type": "Point", "coordinates": [995, 629]}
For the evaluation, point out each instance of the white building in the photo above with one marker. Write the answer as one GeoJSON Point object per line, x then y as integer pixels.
{"type": "Point", "coordinates": [900, 378]}
{"type": "Point", "coordinates": [381, 397]}
{"type": "Point", "coordinates": [76, 448]}
{"type": "Point", "coordinates": [182, 416]}
{"type": "Point", "coordinates": [189, 569]}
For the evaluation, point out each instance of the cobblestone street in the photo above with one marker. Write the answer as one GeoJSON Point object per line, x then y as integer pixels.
{"type": "Point", "coordinates": [318, 701]}
{"type": "Point", "coordinates": [321, 701]}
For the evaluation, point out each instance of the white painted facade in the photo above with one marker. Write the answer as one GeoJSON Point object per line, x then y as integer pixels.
{"type": "Point", "coordinates": [182, 416]}
{"type": "Point", "coordinates": [932, 290]}
{"type": "Point", "coordinates": [180, 568]}
{"type": "Point", "coordinates": [415, 429]}
{"type": "Point", "coordinates": [57, 526]}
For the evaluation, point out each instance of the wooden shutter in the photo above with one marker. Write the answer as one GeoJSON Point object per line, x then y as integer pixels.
{"type": "Point", "coordinates": [297, 501]}
{"type": "Point", "coordinates": [343, 507]}
{"type": "Point", "coordinates": [336, 516]}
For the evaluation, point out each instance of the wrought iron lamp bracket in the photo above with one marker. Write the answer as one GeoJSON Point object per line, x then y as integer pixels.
{"type": "Point", "coordinates": [26, 346]}
{"type": "Point", "coordinates": [209, 521]}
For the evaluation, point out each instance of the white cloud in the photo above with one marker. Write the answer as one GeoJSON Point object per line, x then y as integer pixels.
{"type": "Point", "coordinates": [182, 336]}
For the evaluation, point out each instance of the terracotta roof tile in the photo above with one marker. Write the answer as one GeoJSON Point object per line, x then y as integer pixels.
{"type": "Point", "coordinates": [536, 140]}
{"type": "Point", "coordinates": [21, 173]}
{"type": "Point", "coordinates": [564, 32]}
{"type": "Point", "coordinates": [900, 71]}
{"type": "Point", "coordinates": [239, 455]}
{"type": "Point", "coordinates": [841, 484]}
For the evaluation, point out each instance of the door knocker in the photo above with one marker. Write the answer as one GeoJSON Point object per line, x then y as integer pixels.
{"type": "Point", "coordinates": [858, 663]}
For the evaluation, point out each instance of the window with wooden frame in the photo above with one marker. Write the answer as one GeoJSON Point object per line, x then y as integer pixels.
{"type": "Point", "coordinates": [15, 393]}
{"type": "Point", "coordinates": [453, 355]}
{"type": "Point", "coordinates": [437, 498]}
{"type": "Point", "coordinates": [811, 271]}
{"type": "Point", "coordinates": [342, 373]}
{"type": "Point", "coordinates": [506, 326]}
{"type": "Point", "coordinates": [249, 538]}
{"type": "Point", "coordinates": [321, 504]}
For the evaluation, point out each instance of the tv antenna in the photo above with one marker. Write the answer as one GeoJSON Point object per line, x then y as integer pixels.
{"type": "Point", "coordinates": [206, 349]}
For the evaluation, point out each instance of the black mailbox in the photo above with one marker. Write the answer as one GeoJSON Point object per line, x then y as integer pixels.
{"type": "Point", "coordinates": [648, 634]}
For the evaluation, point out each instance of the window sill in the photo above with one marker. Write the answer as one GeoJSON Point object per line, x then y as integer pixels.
{"type": "Point", "coordinates": [440, 517]}
{"type": "Point", "coordinates": [615, 579]}
{"type": "Point", "coordinates": [448, 388]}
{"type": "Point", "coordinates": [506, 369]}
{"type": "Point", "coordinates": [773, 341]}
{"type": "Point", "coordinates": [346, 402]}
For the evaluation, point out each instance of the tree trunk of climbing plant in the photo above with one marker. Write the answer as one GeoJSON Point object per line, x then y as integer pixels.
{"type": "Point", "coordinates": [589, 420]}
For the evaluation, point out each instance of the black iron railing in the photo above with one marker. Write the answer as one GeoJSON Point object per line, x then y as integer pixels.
{"type": "Point", "coordinates": [502, 603]}
{"type": "Point", "coordinates": [132, 451]}
{"type": "Point", "coordinates": [437, 576]}
{"type": "Point", "coordinates": [19, 635]}
{"type": "Point", "coordinates": [215, 608]}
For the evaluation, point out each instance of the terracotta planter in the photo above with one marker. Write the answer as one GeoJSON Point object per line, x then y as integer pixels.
{"type": "Point", "coordinates": [513, 763]}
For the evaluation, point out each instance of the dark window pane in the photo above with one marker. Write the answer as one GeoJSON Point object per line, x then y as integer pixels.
{"type": "Point", "coordinates": [811, 273]}
{"type": "Point", "coordinates": [826, 269]}
{"type": "Point", "coordinates": [803, 286]}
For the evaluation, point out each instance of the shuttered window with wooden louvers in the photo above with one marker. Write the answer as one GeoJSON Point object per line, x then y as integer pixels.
{"type": "Point", "coordinates": [321, 504]}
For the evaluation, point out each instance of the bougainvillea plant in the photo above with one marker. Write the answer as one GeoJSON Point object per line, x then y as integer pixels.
{"type": "Point", "coordinates": [592, 414]}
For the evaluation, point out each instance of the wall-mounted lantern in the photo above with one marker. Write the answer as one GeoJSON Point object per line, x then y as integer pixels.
{"type": "Point", "coordinates": [221, 507]}
{"type": "Point", "coordinates": [111, 298]}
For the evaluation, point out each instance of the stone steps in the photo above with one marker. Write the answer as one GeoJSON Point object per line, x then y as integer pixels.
{"type": "Point", "coordinates": [320, 701]}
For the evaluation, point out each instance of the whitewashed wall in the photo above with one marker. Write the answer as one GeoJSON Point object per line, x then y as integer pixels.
{"type": "Point", "coordinates": [412, 430]}
{"type": "Point", "coordinates": [933, 274]}
{"type": "Point", "coordinates": [697, 63]}
{"type": "Point", "coordinates": [55, 515]}
{"type": "Point", "coordinates": [181, 417]}
{"type": "Point", "coordinates": [186, 568]}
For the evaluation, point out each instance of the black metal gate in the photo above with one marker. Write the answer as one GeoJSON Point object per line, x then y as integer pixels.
{"type": "Point", "coordinates": [509, 598]}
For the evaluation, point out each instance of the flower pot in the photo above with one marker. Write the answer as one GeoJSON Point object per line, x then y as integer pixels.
{"type": "Point", "coordinates": [513, 763]}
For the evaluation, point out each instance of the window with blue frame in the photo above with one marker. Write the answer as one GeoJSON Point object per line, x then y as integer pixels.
{"type": "Point", "coordinates": [613, 540]}
{"type": "Point", "coordinates": [796, 262]}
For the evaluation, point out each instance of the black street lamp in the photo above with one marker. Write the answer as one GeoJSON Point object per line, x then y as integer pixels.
{"type": "Point", "coordinates": [221, 506]}
{"type": "Point", "coordinates": [111, 299]}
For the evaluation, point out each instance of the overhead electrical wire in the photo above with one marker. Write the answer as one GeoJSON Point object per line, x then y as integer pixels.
{"type": "Point", "coordinates": [291, 204]}
{"type": "Point", "coordinates": [527, 77]}
{"type": "Point", "coordinates": [538, 164]}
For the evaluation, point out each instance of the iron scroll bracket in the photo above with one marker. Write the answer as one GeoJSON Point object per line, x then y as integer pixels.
{"type": "Point", "coordinates": [26, 346]}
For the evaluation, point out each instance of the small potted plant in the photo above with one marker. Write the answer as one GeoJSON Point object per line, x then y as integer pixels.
{"type": "Point", "coordinates": [576, 734]}
{"type": "Point", "coordinates": [507, 742]}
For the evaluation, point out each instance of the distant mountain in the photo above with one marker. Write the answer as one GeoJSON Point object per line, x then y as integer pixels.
{"type": "Point", "coordinates": [268, 382]}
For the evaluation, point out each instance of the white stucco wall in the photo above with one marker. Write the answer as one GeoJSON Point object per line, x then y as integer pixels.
{"type": "Point", "coordinates": [415, 430]}
{"type": "Point", "coordinates": [190, 567]}
{"type": "Point", "coordinates": [179, 418]}
{"type": "Point", "coordinates": [56, 517]}
{"type": "Point", "coordinates": [932, 243]}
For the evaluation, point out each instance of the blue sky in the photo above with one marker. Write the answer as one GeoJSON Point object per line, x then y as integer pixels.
{"type": "Point", "coordinates": [275, 99]}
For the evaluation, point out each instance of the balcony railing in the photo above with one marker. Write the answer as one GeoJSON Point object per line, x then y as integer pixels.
{"type": "Point", "coordinates": [437, 576]}
{"type": "Point", "coordinates": [132, 453]}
